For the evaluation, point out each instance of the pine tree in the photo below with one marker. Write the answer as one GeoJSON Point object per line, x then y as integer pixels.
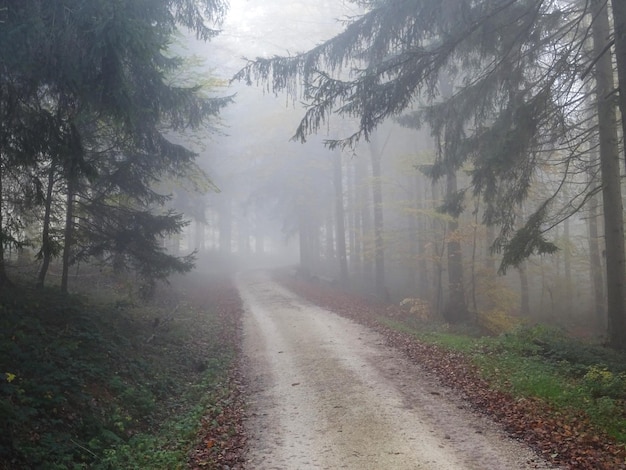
{"type": "Point", "coordinates": [101, 70]}
{"type": "Point", "coordinates": [518, 98]}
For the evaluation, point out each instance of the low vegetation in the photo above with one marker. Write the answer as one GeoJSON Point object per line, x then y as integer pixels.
{"type": "Point", "coordinates": [117, 383]}
{"type": "Point", "coordinates": [541, 362]}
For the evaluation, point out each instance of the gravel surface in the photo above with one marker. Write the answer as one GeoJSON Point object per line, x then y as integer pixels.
{"type": "Point", "coordinates": [327, 393]}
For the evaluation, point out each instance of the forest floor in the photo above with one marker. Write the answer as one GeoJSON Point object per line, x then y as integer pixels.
{"type": "Point", "coordinates": [327, 385]}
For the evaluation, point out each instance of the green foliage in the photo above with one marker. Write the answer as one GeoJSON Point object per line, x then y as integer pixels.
{"type": "Point", "coordinates": [88, 104]}
{"type": "Point", "coordinates": [542, 362]}
{"type": "Point", "coordinates": [83, 386]}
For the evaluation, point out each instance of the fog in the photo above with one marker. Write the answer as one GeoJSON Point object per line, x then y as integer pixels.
{"type": "Point", "coordinates": [287, 203]}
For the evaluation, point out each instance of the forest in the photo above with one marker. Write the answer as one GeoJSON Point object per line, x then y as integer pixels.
{"type": "Point", "coordinates": [459, 164]}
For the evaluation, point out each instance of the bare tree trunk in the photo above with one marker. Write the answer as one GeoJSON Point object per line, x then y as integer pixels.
{"type": "Point", "coordinates": [329, 239]}
{"type": "Point", "coordinates": [69, 229]}
{"type": "Point", "coordinates": [438, 252]}
{"type": "Point", "coordinates": [340, 233]}
{"type": "Point", "coordinates": [4, 279]}
{"type": "Point", "coordinates": [490, 261]}
{"type": "Point", "coordinates": [226, 226]}
{"type": "Point", "coordinates": [456, 309]}
{"type": "Point", "coordinates": [413, 236]}
{"type": "Point", "coordinates": [199, 241]}
{"type": "Point", "coordinates": [422, 224]}
{"type": "Point", "coordinates": [595, 262]}
{"type": "Point", "coordinates": [366, 220]}
{"type": "Point", "coordinates": [619, 25]}
{"type": "Point", "coordinates": [303, 234]}
{"type": "Point", "coordinates": [567, 266]}
{"type": "Point", "coordinates": [611, 189]}
{"type": "Point", "coordinates": [355, 225]}
{"type": "Point", "coordinates": [379, 246]}
{"type": "Point", "coordinates": [524, 290]}
{"type": "Point", "coordinates": [46, 242]}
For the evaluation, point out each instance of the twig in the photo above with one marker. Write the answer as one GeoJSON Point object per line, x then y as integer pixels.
{"type": "Point", "coordinates": [82, 447]}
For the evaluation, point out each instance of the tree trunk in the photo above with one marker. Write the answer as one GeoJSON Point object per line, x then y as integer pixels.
{"type": "Point", "coordinates": [340, 227]}
{"type": "Point", "coordinates": [524, 290]}
{"type": "Point", "coordinates": [329, 240]}
{"type": "Point", "coordinates": [4, 279]}
{"type": "Point", "coordinates": [303, 237]}
{"type": "Point", "coordinates": [46, 242]}
{"type": "Point", "coordinates": [456, 309]}
{"type": "Point", "coordinates": [567, 267]}
{"type": "Point", "coordinates": [355, 225]}
{"type": "Point", "coordinates": [490, 260]}
{"type": "Point", "coordinates": [412, 236]}
{"type": "Point", "coordinates": [611, 189]}
{"type": "Point", "coordinates": [595, 262]}
{"type": "Point", "coordinates": [199, 241]}
{"type": "Point", "coordinates": [438, 253]}
{"type": "Point", "coordinates": [619, 24]}
{"type": "Point", "coordinates": [68, 236]}
{"type": "Point", "coordinates": [226, 227]}
{"type": "Point", "coordinates": [379, 247]}
{"type": "Point", "coordinates": [366, 221]}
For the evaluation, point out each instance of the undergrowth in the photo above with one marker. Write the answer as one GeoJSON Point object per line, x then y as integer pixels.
{"type": "Point", "coordinates": [541, 362]}
{"type": "Point", "coordinates": [105, 385]}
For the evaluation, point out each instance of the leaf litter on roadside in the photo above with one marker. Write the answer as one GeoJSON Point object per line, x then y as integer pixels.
{"type": "Point", "coordinates": [567, 439]}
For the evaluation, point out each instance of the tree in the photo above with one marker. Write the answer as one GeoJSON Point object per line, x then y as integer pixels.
{"type": "Point", "coordinates": [619, 22]}
{"type": "Point", "coordinates": [611, 181]}
{"type": "Point", "coordinates": [101, 70]}
{"type": "Point", "coordinates": [516, 68]}
{"type": "Point", "coordinates": [340, 226]}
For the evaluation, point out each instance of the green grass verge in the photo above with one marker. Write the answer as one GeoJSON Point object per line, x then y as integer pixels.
{"type": "Point", "coordinates": [545, 363]}
{"type": "Point", "coordinates": [105, 385]}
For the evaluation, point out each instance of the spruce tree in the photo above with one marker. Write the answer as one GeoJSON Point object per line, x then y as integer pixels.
{"type": "Point", "coordinates": [518, 98]}
{"type": "Point", "coordinates": [101, 70]}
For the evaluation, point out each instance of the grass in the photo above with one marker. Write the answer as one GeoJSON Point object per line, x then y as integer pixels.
{"type": "Point", "coordinates": [108, 384]}
{"type": "Point", "coordinates": [540, 362]}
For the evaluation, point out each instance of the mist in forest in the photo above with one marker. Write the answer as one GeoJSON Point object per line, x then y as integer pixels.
{"type": "Point", "coordinates": [370, 217]}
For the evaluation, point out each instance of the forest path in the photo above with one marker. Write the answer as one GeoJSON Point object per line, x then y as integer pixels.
{"type": "Point", "coordinates": [326, 393]}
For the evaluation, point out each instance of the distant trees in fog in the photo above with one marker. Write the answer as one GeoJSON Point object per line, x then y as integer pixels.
{"type": "Point", "coordinates": [519, 98]}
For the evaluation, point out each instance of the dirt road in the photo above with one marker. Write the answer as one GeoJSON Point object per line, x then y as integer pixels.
{"type": "Point", "coordinates": [326, 393]}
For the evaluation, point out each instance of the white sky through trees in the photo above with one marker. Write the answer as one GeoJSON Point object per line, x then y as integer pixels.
{"type": "Point", "coordinates": [276, 27]}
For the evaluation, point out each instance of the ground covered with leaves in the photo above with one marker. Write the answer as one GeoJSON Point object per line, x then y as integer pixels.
{"type": "Point", "coordinates": [569, 436]}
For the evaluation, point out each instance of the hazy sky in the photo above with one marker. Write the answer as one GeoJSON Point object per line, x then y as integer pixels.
{"type": "Point", "coordinates": [276, 27]}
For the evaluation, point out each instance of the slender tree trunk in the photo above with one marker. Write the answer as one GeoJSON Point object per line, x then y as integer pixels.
{"type": "Point", "coordinates": [438, 252]}
{"type": "Point", "coordinates": [303, 234]}
{"type": "Point", "coordinates": [226, 227]}
{"type": "Point", "coordinates": [456, 309]}
{"type": "Point", "coordinates": [46, 242]}
{"type": "Point", "coordinates": [69, 228]}
{"type": "Point", "coordinates": [379, 247]}
{"type": "Point", "coordinates": [619, 25]}
{"type": "Point", "coordinates": [199, 241]}
{"type": "Point", "coordinates": [595, 262]}
{"type": "Point", "coordinates": [366, 221]}
{"type": "Point", "coordinates": [567, 266]}
{"type": "Point", "coordinates": [355, 225]}
{"type": "Point", "coordinates": [423, 229]}
{"type": "Point", "coordinates": [340, 226]}
{"type": "Point", "coordinates": [4, 279]}
{"type": "Point", "coordinates": [524, 290]}
{"type": "Point", "coordinates": [330, 239]}
{"type": "Point", "coordinates": [490, 260]}
{"type": "Point", "coordinates": [413, 236]}
{"type": "Point", "coordinates": [611, 189]}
